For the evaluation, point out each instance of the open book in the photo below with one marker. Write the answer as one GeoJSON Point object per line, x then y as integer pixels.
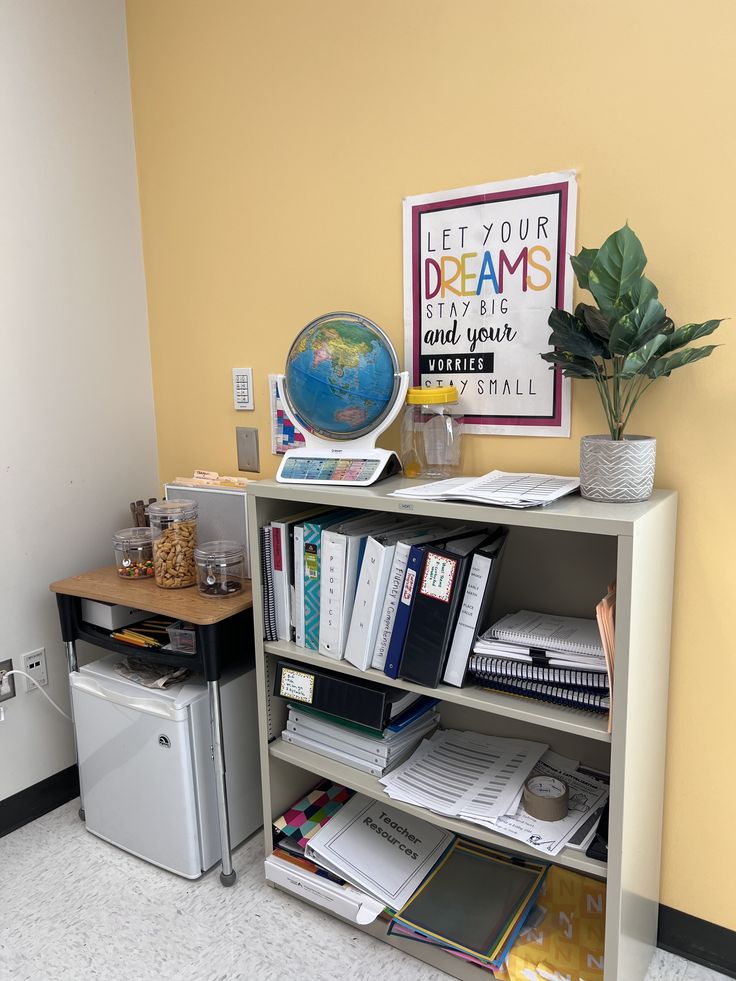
{"type": "Point", "coordinates": [512, 490]}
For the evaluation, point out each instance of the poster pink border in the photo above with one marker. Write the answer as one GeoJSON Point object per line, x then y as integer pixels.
{"type": "Point", "coordinates": [561, 187]}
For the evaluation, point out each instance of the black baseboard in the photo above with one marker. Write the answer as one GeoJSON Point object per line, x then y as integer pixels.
{"type": "Point", "coordinates": [35, 801]}
{"type": "Point", "coordinates": [697, 940]}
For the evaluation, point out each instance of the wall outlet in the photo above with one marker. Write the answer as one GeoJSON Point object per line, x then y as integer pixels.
{"type": "Point", "coordinates": [7, 685]}
{"type": "Point", "coordinates": [247, 443]}
{"type": "Point", "coordinates": [34, 664]}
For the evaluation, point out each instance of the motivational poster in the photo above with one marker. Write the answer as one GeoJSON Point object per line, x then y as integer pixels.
{"type": "Point", "coordinates": [483, 268]}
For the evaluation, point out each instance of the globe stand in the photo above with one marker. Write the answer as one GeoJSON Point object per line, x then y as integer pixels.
{"type": "Point", "coordinates": [347, 461]}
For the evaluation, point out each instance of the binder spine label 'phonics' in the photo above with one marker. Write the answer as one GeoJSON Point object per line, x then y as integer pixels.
{"type": "Point", "coordinates": [439, 572]}
{"type": "Point", "coordinates": [297, 684]}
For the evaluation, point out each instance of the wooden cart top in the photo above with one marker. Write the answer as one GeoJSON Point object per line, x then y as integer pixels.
{"type": "Point", "coordinates": [187, 604]}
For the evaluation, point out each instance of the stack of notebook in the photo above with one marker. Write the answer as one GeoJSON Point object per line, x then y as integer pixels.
{"type": "Point", "coordinates": [550, 658]}
{"type": "Point", "coordinates": [366, 749]}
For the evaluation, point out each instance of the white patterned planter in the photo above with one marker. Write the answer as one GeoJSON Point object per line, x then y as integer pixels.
{"type": "Point", "coordinates": [617, 471]}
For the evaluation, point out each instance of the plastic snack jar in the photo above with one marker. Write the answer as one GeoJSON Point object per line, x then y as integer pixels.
{"type": "Point", "coordinates": [431, 433]}
{"type": "Point", "coordinates": [133, 553]}
{"type": "Point", "coordinates": [174, 532]}
{"type": "Point", "coordinates": [220, 568]}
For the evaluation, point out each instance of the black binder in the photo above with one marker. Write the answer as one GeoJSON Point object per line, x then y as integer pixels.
{"type": "Point", "coordinates": [363, 702]}
{"type": "Point", "coordinates": [437, 599]}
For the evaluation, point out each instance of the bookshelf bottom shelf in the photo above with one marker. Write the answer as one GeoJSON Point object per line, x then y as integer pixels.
{"type": "Point", "coordinates": [364, 783]}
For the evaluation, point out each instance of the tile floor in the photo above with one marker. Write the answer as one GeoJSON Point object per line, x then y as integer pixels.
{"type": "Point", "coordinates": [77, 908]}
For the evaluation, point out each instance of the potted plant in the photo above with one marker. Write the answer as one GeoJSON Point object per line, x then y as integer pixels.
{"type": "Point", "coordinates": [624, 343]}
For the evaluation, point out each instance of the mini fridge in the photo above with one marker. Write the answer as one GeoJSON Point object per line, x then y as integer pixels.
{"type": "Point", "coordinates": [146, 768]}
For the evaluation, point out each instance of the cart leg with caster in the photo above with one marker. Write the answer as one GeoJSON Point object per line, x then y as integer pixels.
{"type": "Point", "coordinates": [227, 875]}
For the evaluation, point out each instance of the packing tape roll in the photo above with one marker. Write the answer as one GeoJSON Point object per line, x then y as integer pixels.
{"type": "Point", "coordinates": [545, 798]}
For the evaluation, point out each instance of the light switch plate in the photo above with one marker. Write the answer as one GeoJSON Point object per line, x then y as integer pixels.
{"type": "Point", "coordinates": [243, 389]}
{"type": "Point", "coordinates": [247, 443]}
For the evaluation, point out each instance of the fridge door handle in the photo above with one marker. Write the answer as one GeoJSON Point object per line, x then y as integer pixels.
{"type": "Point", "coordinates": [151, 706]}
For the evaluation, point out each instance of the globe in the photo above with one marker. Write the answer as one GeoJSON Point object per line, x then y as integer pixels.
{"type": "Point", "coordinates": [341, 376]}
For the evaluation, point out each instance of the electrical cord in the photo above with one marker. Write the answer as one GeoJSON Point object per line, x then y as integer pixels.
{"type": "Point", "coordinates": [4, 674]}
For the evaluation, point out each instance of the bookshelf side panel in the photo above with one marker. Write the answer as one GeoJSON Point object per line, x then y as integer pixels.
{"type": "Point", "coordinates": [639, 740]}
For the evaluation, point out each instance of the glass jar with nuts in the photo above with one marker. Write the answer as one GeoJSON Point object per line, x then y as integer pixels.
{"type": "Point", "coordinates": [174, 533]}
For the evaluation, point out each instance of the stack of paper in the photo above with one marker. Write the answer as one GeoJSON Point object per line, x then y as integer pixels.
{"type": "Point", "coordinates": [481, 778]}
{"type": "Point", "coordinates": [587, 797]}
{"type": "Point", "coordinates": [510, 490]}
{"type": "Point", "coordinates": [371, 752]}
{"type": "Point", "coordinates": [465, 774]}
{"type": "Point", "coordinates": [605, 614]}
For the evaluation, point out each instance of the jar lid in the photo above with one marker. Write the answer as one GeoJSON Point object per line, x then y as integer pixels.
{"type": "Point", "coordinates": [173, 509]}
{"type": "Point", "coordinates": [133, 536]}
{"type": "Point", "coordinates": [214, 551]}
{"type": "Point", "coordinates": [432, 396]}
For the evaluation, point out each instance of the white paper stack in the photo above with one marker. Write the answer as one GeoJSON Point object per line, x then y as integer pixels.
{"type": "Point", "coordinates": [481, 778]}
{"type": "Point", "coordinates": [371, 754]}
{"type": "Point", "coordinates": [587, 797]}
{"type": "Point", "coordinates": [511, 490]}
{"type": "Point", "coordinates": [465, 774]}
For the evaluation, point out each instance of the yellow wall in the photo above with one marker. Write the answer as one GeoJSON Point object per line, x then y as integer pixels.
{"type": "Point", "coordinates": [275, 143]}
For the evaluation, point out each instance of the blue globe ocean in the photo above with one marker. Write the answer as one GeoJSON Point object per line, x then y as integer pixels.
{"type": "Point", "coordinates": [340, 376]}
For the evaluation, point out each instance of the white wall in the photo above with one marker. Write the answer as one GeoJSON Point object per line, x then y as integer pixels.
{"type": "Point", "coordinates": [77, 439]}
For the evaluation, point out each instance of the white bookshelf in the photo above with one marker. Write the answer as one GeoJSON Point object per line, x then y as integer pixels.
{"type": "Point", "coordinates": [558, 559]}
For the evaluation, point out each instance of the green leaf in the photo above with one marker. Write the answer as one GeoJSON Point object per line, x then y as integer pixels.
{"type": "Point", "coordinates": [581, 367]}
{"type": "Point", "coordinates": [571, 335]}
{"type": "Point", "coordinates": [665, 366]}
{"type": "Point", "coordinates": [637, 360]}
{"type": "Point", "coordinates": [617, 269]}
{"type": "Point", "coordinates": [594, 320]}
{"type": "Point", "coordinates": [643, 291]}
{"type": "Point", "coordinates": [581, 264]}
{"type": "Point", "coordinates": [634, 329]}
{"type": "Point", "coordinates": [689, 333]}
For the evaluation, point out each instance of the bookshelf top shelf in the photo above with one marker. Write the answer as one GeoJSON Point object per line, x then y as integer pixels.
{"type": "Point", "coordinates": [571, 513]}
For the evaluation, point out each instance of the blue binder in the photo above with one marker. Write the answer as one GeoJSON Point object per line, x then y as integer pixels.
{"type": "Point", "coordinates": [401, 623]}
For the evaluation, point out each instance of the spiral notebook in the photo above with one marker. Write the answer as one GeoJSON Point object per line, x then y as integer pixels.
{"type": "Point", "coordinates": [519, 671]}
{"type": "Point", "coordinates": [579, 698]}
{"type": "Point", "coordinates": [549, 632]}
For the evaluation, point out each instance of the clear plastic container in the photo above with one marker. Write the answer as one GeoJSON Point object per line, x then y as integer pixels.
{"type": "Point", "coordinates": [220, 568]}
{"type": "Point", "coordinates": [133, 553]}
{"type": "Point", "coordinates": [182, 637]}
{"type": "Point", "coordinates": [431, 433]}
{"type": "Point", "coordinates": [174, 533]}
